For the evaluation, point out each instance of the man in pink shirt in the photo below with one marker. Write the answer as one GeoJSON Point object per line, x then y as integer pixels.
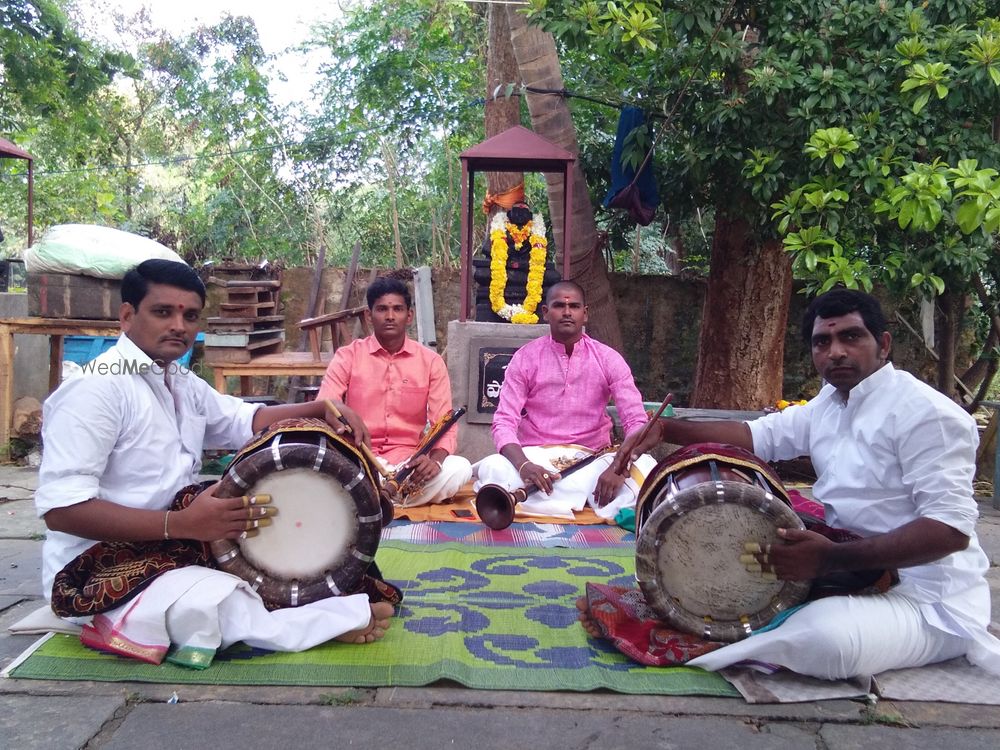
{"type": "Point", "coordinates": [552, 411]}
{"type": "Point", "coordinates": [398, 386]}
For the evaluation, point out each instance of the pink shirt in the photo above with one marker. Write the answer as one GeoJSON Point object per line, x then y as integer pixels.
{"type": "Point", "coordinates": [563, 398]}
{"type": "Point", "coordinates": [395, 394]}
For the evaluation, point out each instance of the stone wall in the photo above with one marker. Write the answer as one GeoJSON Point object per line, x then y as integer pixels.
{"type": "Point", "coordinates": [660, 319]}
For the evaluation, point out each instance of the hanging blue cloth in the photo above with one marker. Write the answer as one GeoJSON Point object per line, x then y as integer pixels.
{"type": "Point", "coordinates": [642, 198]}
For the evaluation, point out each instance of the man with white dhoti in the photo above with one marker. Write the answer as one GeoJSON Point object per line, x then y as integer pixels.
{"type": "Point", "coordinates": [552, 413]}
{"type": "Point", "coordinates": [123, 438]}
{"type": "Point", "coordinates": [895, 461]}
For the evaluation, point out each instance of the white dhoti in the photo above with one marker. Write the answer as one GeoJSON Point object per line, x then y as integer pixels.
{"type": "Point", "coordinates": [197, 611]}
{"type": "Point", "coordinates": [571, 493]}
{"type": "Point", "coordinates": [844, 636]}
{"type": "Point", "coordinates": [455, 472]}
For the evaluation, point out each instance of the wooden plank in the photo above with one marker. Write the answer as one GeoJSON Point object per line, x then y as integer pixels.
{"type": "Point", "coordinates": [245, 339]}
{"type": "Point", "coordinates": [237, 283]}
{"type": "Point", "coordinates": [6, 386]}
{"type": "Point", "coordinates": [242, 310]}
{"type": "Point", "coordinates": [259, 319]}
{"type": "Point", "coordinates": [241, 355]}
{"type": "Point", "coordinates": [423, 301]}
{"type": "Point", "coordinates": [247, 325]}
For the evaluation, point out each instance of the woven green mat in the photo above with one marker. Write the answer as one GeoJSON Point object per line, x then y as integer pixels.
{"type": "Point", "coordinates": [490, 618]}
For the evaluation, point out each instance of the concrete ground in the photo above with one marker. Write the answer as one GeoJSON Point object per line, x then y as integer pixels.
{"type": "Point", "coordinates": [55, 715]}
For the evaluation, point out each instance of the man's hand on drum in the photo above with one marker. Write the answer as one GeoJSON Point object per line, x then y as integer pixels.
{"type": "Point", "coordinates": [209, 517]}
{"type": "Point", "coordinates": [354, 427]}
{"type": "Point", "coordinates": [540, 476]}
{"type": "Point", "coordinates": [425, 468]}
{"type": "Point", "coordinates": [608, 485]}
{"type": "Point", "coordinates": [801, 556]}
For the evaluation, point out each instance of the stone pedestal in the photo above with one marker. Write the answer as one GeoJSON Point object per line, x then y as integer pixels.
{"type": "Point", "coordinates": [477, 354]}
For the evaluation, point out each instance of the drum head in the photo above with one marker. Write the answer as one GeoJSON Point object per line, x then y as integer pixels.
{"type": "Point", "coordinates": [688, 560]}
{"type": "Point", "coordinates": [326, 531]}
{"type": "Point", "coordinates": [315, 513]}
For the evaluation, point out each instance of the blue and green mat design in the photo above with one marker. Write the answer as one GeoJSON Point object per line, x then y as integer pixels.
{"type": "Point", "coordinates": [484, 617]}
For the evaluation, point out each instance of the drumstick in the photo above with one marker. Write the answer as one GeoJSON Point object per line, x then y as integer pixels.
{"type": "Point", "coordinates": [626, 462]}
{"type": "Point", "coordinates": [364, 448]}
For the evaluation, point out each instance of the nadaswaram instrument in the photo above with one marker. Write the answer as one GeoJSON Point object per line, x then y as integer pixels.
{"type": "Point", "coordinates": [496, 504]}
{"type": "Point", "coordinates": [393, 483]}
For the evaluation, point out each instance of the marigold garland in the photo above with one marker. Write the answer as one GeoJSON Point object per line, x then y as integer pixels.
{"type": "Point", "coordinates": [534, 231]}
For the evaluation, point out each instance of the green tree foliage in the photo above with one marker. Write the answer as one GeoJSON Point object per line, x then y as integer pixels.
{"type": "Point", "coordinates": [836, 116]}
{"type": "Point", "coordinates": [399, 100]}
{"type": "Point", "coordinates": [233, 201]}
{"type": "Point", "coordinates": [864, 133]}
{"type": "Point", "coordinates": [46, 68]}
{"type": "Point", "coordinates": [188, 149]}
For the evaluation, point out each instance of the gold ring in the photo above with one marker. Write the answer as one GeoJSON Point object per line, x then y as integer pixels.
{"type": "Point", "coordinates": [246, 501]}
{"type": "Point", "coordinates": [250, 525]}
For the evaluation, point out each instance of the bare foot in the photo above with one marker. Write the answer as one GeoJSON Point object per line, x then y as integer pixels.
{"type": "Point", "coordinates": [589, 624]}
{"type": "Point", "coordinates": [382, 613]}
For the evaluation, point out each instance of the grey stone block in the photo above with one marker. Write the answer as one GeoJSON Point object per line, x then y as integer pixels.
{"type": "Point", "coordinates": [231, 725]}
{"type": "Point", "coordinates": [53, 723]}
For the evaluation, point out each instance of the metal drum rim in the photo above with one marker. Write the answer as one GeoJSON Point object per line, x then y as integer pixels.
{"type": "Point", "coordinates": [290, 593]}
{"type": "Point", "coordinates": [687, 500]}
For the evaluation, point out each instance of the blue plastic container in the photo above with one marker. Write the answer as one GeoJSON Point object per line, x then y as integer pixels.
{"type": "Point", "coordinates": [82, 349]}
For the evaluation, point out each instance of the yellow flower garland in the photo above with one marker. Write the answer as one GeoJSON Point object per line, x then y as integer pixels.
{"type": "Point", "coordinates": [534, 230]}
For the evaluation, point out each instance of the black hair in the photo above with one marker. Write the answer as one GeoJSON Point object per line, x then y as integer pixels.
{"type": "Point", "coordinates": [842, 301]}
{"type": "Point", "coordinates": [384, 285]}
{"type": "Point", "coordinates": [566, 283]}
{"type": "Point", "coordinates": [135, 284]}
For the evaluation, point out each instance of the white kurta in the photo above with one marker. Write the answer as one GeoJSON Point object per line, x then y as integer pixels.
{"type": "Point", "coordinates": [895, 451]}
{"type": "Point", "coordinates": [135, 438]}
{"type": "Point", "coordinates": [128, 439]}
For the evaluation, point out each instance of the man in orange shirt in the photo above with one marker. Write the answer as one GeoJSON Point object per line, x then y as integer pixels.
{"type": "Point", "coordinates": [398, 386]}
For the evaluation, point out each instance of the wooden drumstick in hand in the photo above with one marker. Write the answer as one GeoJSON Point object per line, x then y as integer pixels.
{"type": "Point", "coordinates": [623, 460]}
{"type": "Point", "coordinates": [363, 447]}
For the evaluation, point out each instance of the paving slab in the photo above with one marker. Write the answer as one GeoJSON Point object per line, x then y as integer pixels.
{"type": "Point", "coordinates": [236, 725]}
{"type": "Point", "coordinates": [11, 645]}
{"type": "Point", "coordinates": [924, 714]}
{"type": "Point", "coordinates": [18, 520]}
{"type": "Point", "coordinates": [21, 567]}
{"type": "Point", "coordinates": [820, 711]}
{"type": "Point", "coordinates": [54, 723]}
{"type": "Point", "coordinates": [17, 482]}
{"type": "Point", "coordinates": [907, 738]}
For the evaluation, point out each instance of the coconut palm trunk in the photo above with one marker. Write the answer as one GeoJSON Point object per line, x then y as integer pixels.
{"type": "Point", "coordinates": [538, 64]}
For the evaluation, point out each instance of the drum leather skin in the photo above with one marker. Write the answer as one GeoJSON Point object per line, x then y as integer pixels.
{"type": "Point", "coordinates": [694, 514]}
{"type": "Point", "coordinates": [327, 529]}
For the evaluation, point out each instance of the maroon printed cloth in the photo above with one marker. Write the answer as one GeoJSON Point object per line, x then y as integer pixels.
{"type": "Point", "coordinates": [109, 574]}
{"type": "Point", "coordinates": [624, 619]}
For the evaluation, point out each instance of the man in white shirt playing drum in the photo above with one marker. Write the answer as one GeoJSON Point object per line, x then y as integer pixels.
{"type": "Point", "coordinates": [120, 441]}
{"type": "Point", "coordinates": [895, 461]}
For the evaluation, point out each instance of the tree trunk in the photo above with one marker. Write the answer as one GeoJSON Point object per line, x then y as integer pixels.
{"type": "Point", "coordinates": [500, 113]}
{"type": "Point", "coordinates": [538, 65]}
{"type": "Point", "coordinates": [390, 173]}
{"type": "Point", "coordinates": [950, 304]}
{"type": "Point", "coordinates": [742, 337]}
